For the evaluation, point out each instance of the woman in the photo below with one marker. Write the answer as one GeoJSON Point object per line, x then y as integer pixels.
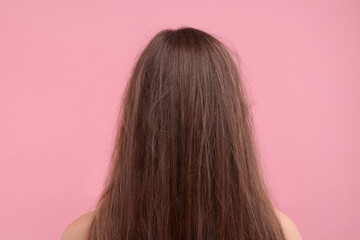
{"type": "Point", "coordinates": [184, 163]}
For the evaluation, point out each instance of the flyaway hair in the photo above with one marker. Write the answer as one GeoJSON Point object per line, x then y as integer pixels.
{"type": "Point", "coordinates": [185, 163]}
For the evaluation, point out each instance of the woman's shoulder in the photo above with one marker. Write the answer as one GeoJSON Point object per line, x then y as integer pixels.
{"type": "Point", "coordinates": [289, 227]}
{"type": "Point", "coordinates": [78, 228]}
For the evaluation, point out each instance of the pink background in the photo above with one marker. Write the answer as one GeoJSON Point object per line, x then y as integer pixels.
{"type": "Point", "coordinates": [64, 65]}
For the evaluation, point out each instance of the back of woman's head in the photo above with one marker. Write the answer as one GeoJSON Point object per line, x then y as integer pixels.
{"type": "Point", "coordinates": [184, 164]}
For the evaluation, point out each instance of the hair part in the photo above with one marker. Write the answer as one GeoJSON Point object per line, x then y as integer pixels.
{"type": "Point", "coordinates": [185, 164]}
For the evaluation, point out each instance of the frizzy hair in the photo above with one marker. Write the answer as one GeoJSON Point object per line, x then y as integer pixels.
{"type": "Point", "coordinates": [185, 163]}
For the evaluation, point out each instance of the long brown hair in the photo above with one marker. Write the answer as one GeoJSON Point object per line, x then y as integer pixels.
{"type": "Point", "coordinates": [185, 163]}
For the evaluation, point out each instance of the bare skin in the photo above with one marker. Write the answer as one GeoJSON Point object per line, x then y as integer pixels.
{"type": "Point", "coordinates": [289, 227]}
{"type": "Point", "coordinates": [77, 229]}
